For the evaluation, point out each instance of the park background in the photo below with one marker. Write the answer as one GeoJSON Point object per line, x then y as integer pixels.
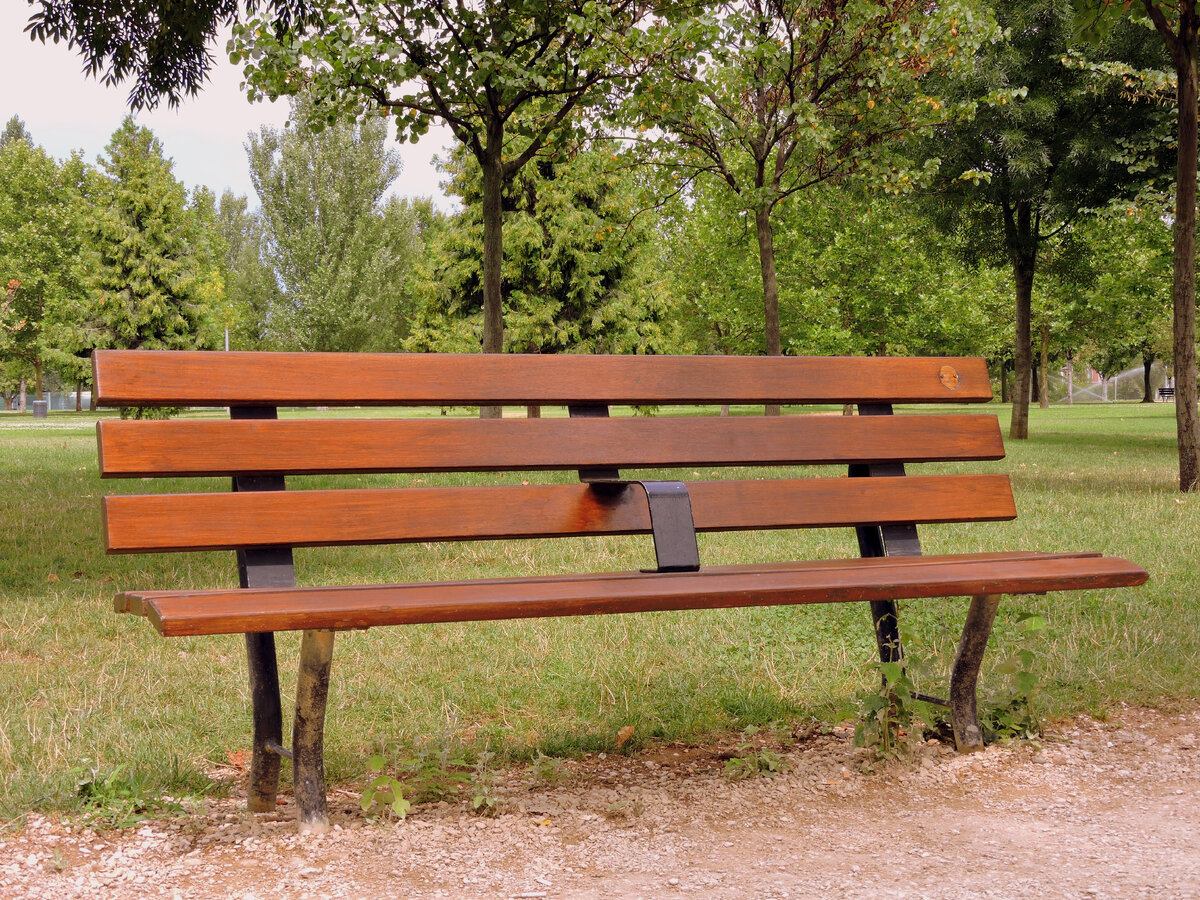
{"type": "Point", "coordinates": [960, 170]}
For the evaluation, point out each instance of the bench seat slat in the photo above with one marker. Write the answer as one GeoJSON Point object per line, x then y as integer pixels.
{"type": "Point", "coordinates": [196, 378]}
{"type": "Point", "coordinates": [315, 446]}
{"type": "Point", "coordinates": [236, 611]}
{"type": "Point", "coordinates": [164, 522]}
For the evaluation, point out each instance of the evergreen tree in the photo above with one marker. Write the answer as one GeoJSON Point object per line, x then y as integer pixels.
{"type": "Point", "coordinates": [153, 281]}
{"type": "Point", "coordinates": [580, 271]}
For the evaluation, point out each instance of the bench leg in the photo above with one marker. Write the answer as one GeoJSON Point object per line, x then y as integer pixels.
{"type": "Point", "coordinates": [308, 731]}
{"type": "Point", "coordinates": [887, 630]}
{"type": "Point", "coordinates": [268, 721]}
{"type": "Point", "coordinates": [965, 675]}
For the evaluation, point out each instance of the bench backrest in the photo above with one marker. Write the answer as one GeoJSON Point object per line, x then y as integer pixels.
{"type": "Point", "coordinates": [257, 448]}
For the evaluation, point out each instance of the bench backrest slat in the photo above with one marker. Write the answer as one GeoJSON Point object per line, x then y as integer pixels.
{"type": "Point", "coordinates": [214, 521]}
{"type": "Point", "coordinates": [314, 446]}
{"type": "Point", "coordinates": [175, 378]}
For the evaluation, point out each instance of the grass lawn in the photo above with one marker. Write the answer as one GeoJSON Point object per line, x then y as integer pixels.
{"type": "Point", "coordinates": [80, 682]}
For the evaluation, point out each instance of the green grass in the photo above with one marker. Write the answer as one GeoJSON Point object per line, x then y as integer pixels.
{"type": "Point", "coordinates": [81, 682]}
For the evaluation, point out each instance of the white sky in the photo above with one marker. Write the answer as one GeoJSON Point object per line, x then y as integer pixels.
{"type": "Point", "coordinates": [65, 110]}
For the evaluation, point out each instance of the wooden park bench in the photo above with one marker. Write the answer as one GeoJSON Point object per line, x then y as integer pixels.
{"type": "Point", "coordinates": [263, 522]}
{"type": "Point", "coordinates": [1166, 393]}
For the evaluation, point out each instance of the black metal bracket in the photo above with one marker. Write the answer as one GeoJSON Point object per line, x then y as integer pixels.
{"type": "Point", "coordinates": [898, 539]}
{"type": "Point", "coordinates": [671, 522]}
{"type": "Point", "coordinates": [259, 568]}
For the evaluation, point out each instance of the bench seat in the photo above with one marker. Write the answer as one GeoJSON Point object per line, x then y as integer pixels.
{"type": "Point", "coordinates": [725, 473]}
{"type": "Point", "coordinates": [176, 613]}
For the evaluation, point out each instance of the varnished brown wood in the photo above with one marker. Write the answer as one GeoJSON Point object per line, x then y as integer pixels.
{"type": "Point", "coordinates": [177, 378]}
{"type": "Point", "coordinates": [162, 522]}
{"type": "Point", "coordinates": [312, 446]}
{"type": "Point", "coordinates": [234, 611]}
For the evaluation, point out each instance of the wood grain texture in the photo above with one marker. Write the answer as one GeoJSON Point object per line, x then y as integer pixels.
{"type": "Point", "coordinates": [313, 446]}
{"type": "Point", "coordinates": [235, 611]}
{"type": "Point", "coordinates": [192, 378]}
{"type": "Point", "coordinates": [162, 522]}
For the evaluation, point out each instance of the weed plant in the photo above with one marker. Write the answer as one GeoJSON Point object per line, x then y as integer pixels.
{"type": "Point", "coordinates": [81, 682]}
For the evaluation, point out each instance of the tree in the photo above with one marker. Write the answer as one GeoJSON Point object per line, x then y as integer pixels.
{"type": "Point", "coordinates": [1016, 178]}
{"type": "Point", "coordinates": [1126, 316]}
{"type": "Point", "coordinates": [153, 282]}
{"type": "Point", "coordinates": [1177, 24]}
{"type": "Point", "coordinates": [14, 130]}
{"type": "Point", "coordinates": [491, 72]}
{"type": "Point", "coordinates": [339, 252]}
{"type": "Point", "coordinates": [786, 94]}
{"type": "Point", "coordinates": [580, 266]}
{"type": "Point", "coordinates": [250, 282]}
{"type": "Point", "coordinates": [162, 47]}
{"type": "Point", "coordinates": [859, 273]}
{"type": "Point", "coordinates": [40, 239]}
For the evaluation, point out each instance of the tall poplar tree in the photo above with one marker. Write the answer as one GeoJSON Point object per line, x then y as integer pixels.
{"type": "Point", "coordinates": [339, 250]}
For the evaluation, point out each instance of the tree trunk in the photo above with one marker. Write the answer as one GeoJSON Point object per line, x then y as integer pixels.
{"type": "Point", "coordinates": [37, 380]}
{"type": "Point", "coordinates": [79, 396]}
{"type": "Point", "coordinates": [1187, 422]}
{"type": "Point", "coordinates": [766, 261]}
{"type": "Point", "coordinates": [1005, 392]}
{"type": "Point", "coordinates": [533, 412]}
{"type": "Point", "coordinates": [1023, 269]}
{"type": "Point", "coordinates": [493, 252]}
{"type": "Point", "coordinates": [1147, 389]}
{"type": "Point", "coordinates": [1035, 379]}
{"type": "Point", "coordinates": [1070, 379]}
{"type": "Point", "coordinates": [1044, 369]}
{"type": "Point", "coordinates": [22, 405]}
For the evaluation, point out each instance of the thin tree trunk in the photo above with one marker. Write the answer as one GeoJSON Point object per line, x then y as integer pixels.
{"type": "Point", "coordinates": [1147, 389]}
{"type": "Point", "coordinates": [1044, 369]}
{"type": "Point", "coordinates": [1005, 392]}
{"type": "Point", "coordinates": [1035, 379]}
{"type": "Point", "coordinates": [1023, 269]}
{"type": "Point", "coordinates": [79, 396]}
{"type": "Point", "coordinates": [22, 405]}
{"type": "Point", "coordinates": [37, 380]}
{"type": "Point", "coordinates": [1070, 380]}
{"type": "Point", "coordinates": [766, 261]}
{"type": "Point", "coordinates": [1187, 421]}
{"type": "Point", "coordinates": [493, 253]}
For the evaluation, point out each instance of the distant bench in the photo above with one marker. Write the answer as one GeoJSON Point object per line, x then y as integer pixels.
{"type": "Point", "coordinates": [1166, 393]}
{"type": "Point", "coordinates": [263, 522]}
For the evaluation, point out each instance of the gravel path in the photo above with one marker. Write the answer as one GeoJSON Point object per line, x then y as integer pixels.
{"type": "Point", "coordinates": [1099, 809]}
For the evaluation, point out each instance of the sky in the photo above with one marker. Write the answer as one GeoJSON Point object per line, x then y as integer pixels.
{"type": "Point", "coordinates": [65, 110]}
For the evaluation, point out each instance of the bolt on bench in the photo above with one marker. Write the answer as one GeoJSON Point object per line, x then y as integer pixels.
{"type": "Point", "coordinates": [263, 522]}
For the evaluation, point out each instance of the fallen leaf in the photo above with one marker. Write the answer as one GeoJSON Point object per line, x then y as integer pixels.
{"type": "Point", "coordinates": [624, 735]}
{"type": "Point", "coordinates": [53, 579]}
{"type": "Point", "coordinates": [238, 759]}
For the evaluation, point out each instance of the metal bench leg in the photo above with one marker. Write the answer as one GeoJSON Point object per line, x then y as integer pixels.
{"type": "Point", "coordinates": [308, 731]}
{"type": "Point", "coordinates": [268, 721]}
{"type": "Point", "coordinates": [963, 714]}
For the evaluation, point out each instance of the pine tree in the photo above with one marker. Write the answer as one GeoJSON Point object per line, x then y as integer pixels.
{"type": "Point", "coordinates": [153, 279]}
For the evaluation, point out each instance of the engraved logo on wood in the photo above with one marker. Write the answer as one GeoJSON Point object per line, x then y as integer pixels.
{"type": "Point", "coordinates": [949, 377]}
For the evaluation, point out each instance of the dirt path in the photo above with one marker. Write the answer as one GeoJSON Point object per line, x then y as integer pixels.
{"type": "Point", "coordinates": [1102, 809]}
